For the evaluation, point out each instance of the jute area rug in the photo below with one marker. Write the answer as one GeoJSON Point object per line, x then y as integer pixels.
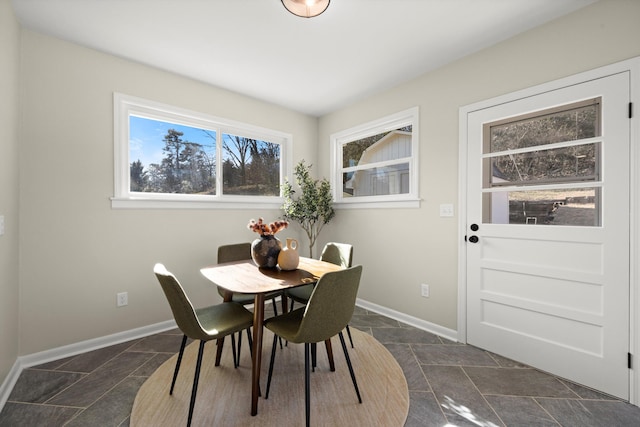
{"type": "Point", "coordinates": [224, 393]}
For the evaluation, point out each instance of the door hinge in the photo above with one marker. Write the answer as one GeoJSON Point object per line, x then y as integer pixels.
{"type": "Point", "coordinates": [629, 361]}
{"type": "Point", "coordinates": [631, 110]}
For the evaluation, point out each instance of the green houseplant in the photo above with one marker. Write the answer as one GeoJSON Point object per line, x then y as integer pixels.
{"type": "Point", "coordinates": [313, 208]}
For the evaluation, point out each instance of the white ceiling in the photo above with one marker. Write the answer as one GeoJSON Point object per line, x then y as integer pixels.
{"type": "Point", "coordinates": [315, 66]}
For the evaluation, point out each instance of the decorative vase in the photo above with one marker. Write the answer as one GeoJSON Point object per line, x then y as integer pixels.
{"type": "Point", "coordinates": [265, 251]}
{"type": "Point", "coordinates": [289, 258]}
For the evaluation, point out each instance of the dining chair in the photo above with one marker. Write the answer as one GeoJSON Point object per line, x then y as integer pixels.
{"type": "Point", "coordinates": [326, 314]}
{"type": "Point", "coordinates": [336, 253]}
{"type": "Point", "coordinates": [203, 324]}
{"type": "Point", "coordinates": [239, 252]}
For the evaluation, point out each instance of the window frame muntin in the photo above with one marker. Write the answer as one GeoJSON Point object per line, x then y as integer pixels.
{"type": "Point", "coordinates": [126, 105]}
{"type": "Point", "coordinates": [384, 124]}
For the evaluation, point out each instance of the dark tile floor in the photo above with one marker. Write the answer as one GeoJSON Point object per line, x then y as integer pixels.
{"type": "Point", "coordinates": [449, 385]}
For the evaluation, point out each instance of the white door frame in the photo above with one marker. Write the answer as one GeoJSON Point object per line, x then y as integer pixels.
{"type": "Point", "coordinates": [633, 66]}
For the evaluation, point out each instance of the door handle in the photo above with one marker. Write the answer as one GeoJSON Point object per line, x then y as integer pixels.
{"type": "Point", "coordinates": [473, 239]}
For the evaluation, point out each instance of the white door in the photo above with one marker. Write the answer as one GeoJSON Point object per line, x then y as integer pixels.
{"type": "Point", "coordinates": [548, 231]}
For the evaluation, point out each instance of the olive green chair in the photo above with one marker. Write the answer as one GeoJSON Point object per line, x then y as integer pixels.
{"type": "Point", "coordinates": [204, 324]}
{"type": "Point", "coordinates": [336, 253]}
{"type": "Point", "coordinates": [326, 314]}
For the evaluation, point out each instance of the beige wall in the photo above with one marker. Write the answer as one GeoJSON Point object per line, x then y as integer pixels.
{"type": "Point", "coordinates": [76, 251]}
{"type": "Point", "coordinates": [9, 60]}
{"type": "Point", "coordinates": [401, 248]}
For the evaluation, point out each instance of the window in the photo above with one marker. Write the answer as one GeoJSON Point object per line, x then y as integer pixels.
{"type": "Point", "coordinates": [544, 167]}
{"type": "Point", "coordinates": [376, 164]}
{"type": "Point", "coordinates": [168, 157]}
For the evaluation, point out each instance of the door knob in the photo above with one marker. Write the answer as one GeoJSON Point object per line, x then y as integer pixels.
{"type": "Point", "coordinates": [474, 227]}
{"type": "Point", "coordinates": [473, 239]}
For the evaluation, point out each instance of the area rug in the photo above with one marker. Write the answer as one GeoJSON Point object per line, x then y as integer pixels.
{"type": "Point", "coordinates": [224, 393]}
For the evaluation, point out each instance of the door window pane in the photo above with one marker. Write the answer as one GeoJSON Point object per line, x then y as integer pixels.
{"type": "Point", "coordinates": [570, 124]}
{"type": "Point", "coordinates": [578, 163]}
{"type": "Point", "coordinates": [548, 207]}
{"type": "Point", "coordinates": [548, 149]}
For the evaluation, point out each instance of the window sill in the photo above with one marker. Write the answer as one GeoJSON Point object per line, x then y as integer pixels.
{"type": "Point", "coordinates": [378, 204]}
{"type": "Point", "coordinates": [155, 203]}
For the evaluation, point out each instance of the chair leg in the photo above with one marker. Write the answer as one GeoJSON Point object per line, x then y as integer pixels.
{"type": "Point", "coordinates": [314, 356]}
{"type": "Point", "coordinates": [250, 339]}
{"type": "Point", "coordinates": [307, 385]}
{"type": "Point", "coordinates": [329, 348]}
{"type": "Point", "coordinates": [196, 377]}
{"type": "Point", "coordinates": [239, 345]}
{"type": "Point", "coordinates": [349, 333]}
{"type": "Point", "coordinates": [346, 356]}
{"type": "Point", "coordinates": [220, 344]}
{"type": "Point", "coordinates": [273, 358]}
{"type": "Point", "coordinates": [175, 372]}
{"type": "Point", "coordinates": [275, 312]}
{"type": "Point", "coordinates": [233, 349]}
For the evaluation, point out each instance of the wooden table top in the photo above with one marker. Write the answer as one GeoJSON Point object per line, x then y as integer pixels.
{"type": "Point", "coordinates": [245, 277]}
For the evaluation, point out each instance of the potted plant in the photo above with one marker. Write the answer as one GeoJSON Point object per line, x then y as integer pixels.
{"type": "Point", "coordinates": [313, 208]}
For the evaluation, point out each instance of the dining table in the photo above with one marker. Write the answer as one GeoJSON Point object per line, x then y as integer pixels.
{"type": "Point", "coordinates": [247, 278]}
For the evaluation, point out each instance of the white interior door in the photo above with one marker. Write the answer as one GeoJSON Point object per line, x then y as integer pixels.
{"type": "Point", "coordinates": [548, 231]}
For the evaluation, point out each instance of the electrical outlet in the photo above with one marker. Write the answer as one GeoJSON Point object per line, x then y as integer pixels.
{"type": "Point", "coordinates": [122, 299]}
{"type": "Point", "coordinates": [1, 225]}
{"type": "Point", "coordinates": [425, 290]}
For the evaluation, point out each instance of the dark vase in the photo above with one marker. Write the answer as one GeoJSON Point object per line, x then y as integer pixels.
{"type": "Point", "coordinates": [265, 251]}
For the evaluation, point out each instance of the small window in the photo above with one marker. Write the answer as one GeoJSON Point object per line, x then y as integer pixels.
{"type": "Point", "coordinates": [376, 164]}
{"type": "Point", "coordinates": [167, 157]}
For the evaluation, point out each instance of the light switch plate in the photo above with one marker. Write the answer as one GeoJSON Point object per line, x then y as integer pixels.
{"type": "Point", "coordinates": [446, 210]}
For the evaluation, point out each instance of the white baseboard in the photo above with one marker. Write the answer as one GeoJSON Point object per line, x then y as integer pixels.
{"type": "Point", "coordinates": [9, 382]}
{"type": "Point", "coordinates": [35, 359]}
{"type": "Point", "coordinates": [447, 333]}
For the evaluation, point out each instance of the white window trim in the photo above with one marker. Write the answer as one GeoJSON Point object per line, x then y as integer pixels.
{"type": "Point", "coordinates": [391, 122]}
{"type": "Point", "coordinates": [124, 105]}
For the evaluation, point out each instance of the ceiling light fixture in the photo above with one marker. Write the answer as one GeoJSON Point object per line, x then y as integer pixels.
{"type": "Point", "coordinates": [306, 8]}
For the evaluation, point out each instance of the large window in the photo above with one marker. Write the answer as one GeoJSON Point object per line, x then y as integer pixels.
{"type": "Point", "coordinates": [376, 164]}
{"type": "Point", "coordinates": [165, 156]}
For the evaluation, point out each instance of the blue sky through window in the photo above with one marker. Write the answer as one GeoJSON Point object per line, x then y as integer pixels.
{"type": "Point", "coordinates": [146, 139]}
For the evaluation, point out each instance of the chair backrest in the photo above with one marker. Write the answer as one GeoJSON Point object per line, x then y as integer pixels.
{"type": "Point", "coordinates": [331, 305]}
{"type": "Point", "coordinates": [234, 252]}
{"type": "Point", "coordinates": [338, 253]}
{"type": "Point", "coordinates": [181, 307]}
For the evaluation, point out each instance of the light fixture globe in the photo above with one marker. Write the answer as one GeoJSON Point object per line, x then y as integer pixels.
{"type": "Point", "coordinates": [306, 8]}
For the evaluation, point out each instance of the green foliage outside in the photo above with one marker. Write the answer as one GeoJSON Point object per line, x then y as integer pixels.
{"type": "Point", "coordinates": [313, 207]}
